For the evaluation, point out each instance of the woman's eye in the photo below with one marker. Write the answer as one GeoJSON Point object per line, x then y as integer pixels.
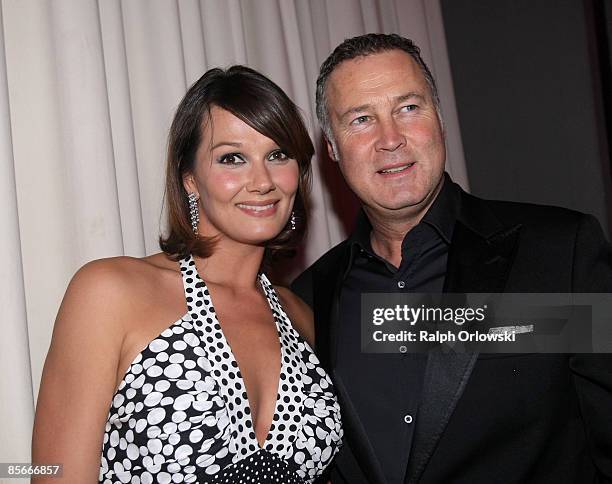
{"type": "Point", "coordinates": [278, 155]}
{"type": "Point", "coordinates": [360, 120]}
{"type": "Point", "coordinates": [231, 159]}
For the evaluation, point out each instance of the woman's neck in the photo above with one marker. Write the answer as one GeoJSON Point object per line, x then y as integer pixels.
{"type": "Point", "coordinates": [232, 264]}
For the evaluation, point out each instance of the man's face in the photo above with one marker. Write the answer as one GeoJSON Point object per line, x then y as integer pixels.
{"type": "Point", "coordinates": [387, 132]}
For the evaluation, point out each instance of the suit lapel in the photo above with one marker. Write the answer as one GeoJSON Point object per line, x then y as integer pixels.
{"type": "Point", "coordinates": [355, 434]}
{"type": "Point", "coordinates": [479, 264]}
{"type": "Point", "coordinates": [445, 378]}
{"type": "Point", "coordinates": [479, 260]}
{"type": "Point", "coordinates": [480, 257]}
{"type": "Point", "coordinates": [328, 287]}
{"type": "Point", "coordinates": [327, 284]}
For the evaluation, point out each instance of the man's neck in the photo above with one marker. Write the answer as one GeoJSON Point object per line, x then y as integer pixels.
{"type": "Point", "coordinates": [387, 237]}
{"type": "Point", "coordinates": [389, 230]}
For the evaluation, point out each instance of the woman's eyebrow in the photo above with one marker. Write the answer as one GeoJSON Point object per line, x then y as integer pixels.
{"type": "Point", "coordinates": [235, 144]}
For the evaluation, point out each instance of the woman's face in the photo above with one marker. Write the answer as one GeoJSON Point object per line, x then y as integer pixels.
{"type": "Point", "coordinates": [246, 183]}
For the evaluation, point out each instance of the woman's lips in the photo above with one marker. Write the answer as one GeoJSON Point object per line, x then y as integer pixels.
{"type": "Point", "coordinates": [258, 209]}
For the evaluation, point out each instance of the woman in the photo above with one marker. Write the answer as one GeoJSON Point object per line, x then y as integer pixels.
{"type": "Point", "coordinates": [231, 391]}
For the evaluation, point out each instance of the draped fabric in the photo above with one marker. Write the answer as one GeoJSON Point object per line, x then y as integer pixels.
{"type": "Point", "coordinates": [87, 93]}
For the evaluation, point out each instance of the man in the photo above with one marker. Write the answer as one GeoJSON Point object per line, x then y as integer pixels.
{"type": "Point", "coordinates": [438, 418]}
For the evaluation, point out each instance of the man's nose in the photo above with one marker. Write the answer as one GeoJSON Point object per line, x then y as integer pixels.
{"type": "Point", "coordinates": [261, 179]}
{"type": "Point", "coordinates": [390, 137]}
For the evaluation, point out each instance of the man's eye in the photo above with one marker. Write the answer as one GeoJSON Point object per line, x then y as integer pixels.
{"type": "Point", "coordinates": [278, 155]}
{"type": "Point", "coordinates": [409, 107]}
{"type": "Point", "coordinates": [360, 120]}
{"type": "Point", "coordinates": [231, 159]}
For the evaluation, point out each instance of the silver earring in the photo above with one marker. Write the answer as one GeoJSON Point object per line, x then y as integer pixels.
{"type": "Point", "coordinates": [293, 220]}
{"type": "Point", "coordinates": [194, 213]}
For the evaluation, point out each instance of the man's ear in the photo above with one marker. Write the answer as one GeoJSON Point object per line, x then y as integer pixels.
{"type": "Point", "coordinates": [330, 150]}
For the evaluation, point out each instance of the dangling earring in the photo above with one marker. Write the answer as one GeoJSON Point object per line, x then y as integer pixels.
{"type": "Point", "coordinates": [293, 220]}
{"type": "Point", "coordinates": [194, 213]}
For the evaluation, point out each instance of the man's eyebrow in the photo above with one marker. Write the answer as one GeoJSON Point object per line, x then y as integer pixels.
{"type": "Point", "coordinates": [398, 99]}
{"type": "Point", "coordinates": [410, 95]}
{"type": "Point", "coordinates": [355, 110]}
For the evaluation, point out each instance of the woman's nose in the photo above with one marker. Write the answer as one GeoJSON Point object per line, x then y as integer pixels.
{"type": "Point", "coordinates": [261, 180]}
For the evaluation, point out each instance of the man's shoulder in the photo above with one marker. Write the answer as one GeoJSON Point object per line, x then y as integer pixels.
{"type": "Point", "coordinates": [329, 263]}
{"type": "Point", "coordinates": [330, 259]}
{"type": "Point", "coordinates": [323, 269]}
{"type": "Point", "coordinates": [554, 243]}
{"type": "Point", "coordinates": [543, 218]}
{"type": "Point", "coordinates": [531, 210]}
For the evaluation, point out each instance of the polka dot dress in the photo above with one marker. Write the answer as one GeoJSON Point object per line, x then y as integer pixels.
{"type": "Point", "coordinates": [181, 412]}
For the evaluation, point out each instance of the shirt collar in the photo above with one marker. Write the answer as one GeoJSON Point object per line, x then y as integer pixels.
{"type": "Point", "coordinates": [443, 212]}
{"type": "Point", "coordinates": [442, 215]}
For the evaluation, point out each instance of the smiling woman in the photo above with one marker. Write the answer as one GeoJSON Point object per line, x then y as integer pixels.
{"type": "Point", "coordinates": [245, 182]}
{"type": "Point", "coordinates": [165, 385]}
{"type": "Point", "coordinates": [230, 104]}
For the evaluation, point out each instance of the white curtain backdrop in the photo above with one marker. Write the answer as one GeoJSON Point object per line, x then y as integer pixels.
{"type": "Point", "coordinates": [87, 93]}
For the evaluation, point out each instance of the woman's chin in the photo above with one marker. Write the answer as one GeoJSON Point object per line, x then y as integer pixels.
{"type": "Point", "coordinates": [259, 238]}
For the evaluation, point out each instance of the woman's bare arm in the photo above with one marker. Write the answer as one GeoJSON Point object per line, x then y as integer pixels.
{"type": "Point", "coordinates": [79, 375]}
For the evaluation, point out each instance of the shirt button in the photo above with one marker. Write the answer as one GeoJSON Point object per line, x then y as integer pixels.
{"type": "Point", "coordinates": [401, 284]}
{"type": "Point", "coordinates": [408, 419]}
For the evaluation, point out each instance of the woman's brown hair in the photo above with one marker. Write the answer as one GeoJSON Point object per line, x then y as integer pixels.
{"type": "Point", "coordinates": [261, 104]}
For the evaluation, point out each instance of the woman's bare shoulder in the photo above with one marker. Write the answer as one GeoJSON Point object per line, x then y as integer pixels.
{"type": "Point", "coordinates": [112, 291]}
{"type": "Point", "coordinates": [127, 265]}
{"type": "Point", "coordinates": [107, 296]}
{"type": "Point", "coordinates": [122, 275]}
{"type": "Point", "coordinates": [81, 365]}
{"type": "Point", "coordinates": [299, 313]}
{"type": "Point", "coordinates": [100, 305]}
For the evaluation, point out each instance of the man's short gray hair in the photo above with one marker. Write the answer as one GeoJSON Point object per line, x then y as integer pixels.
{"type": "Point", "coordinates": [361, 46]}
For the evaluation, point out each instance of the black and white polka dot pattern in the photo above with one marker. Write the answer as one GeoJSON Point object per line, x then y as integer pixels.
{"type": "Point", "coordinates": [181, 413]}
{"type": "Point", "coordinates": [259, 467]}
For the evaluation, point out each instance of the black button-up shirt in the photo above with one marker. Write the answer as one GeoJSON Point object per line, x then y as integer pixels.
{"type": "Point", "coordinates": [385, 389]}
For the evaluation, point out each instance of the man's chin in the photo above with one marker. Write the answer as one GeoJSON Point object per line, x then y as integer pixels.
{"type": "Point", "coordinates": [402, 204]}
{"type": "Point", "coordinates": [398, 209]}
{"type": "Point", "coordinates": [410, 203]}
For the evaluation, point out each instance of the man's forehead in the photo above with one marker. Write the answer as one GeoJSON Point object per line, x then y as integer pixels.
{"type": "Point", "coordinates": [389, 73]}
{"type": "Point", "coordinates": [388, 60]}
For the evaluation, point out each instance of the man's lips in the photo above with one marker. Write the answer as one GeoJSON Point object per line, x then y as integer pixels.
{"type": "Point", "coordinates": [396, 168]}
{"type": "Point", "coordinates": [259, 208]}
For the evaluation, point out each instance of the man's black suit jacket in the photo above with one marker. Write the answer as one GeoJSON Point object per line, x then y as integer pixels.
{"type": "Point", "coordinates": [489, 418]}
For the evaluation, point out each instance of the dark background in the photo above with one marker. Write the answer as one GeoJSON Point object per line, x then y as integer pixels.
{"type": "Point", "coordinates": [533, 89]}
